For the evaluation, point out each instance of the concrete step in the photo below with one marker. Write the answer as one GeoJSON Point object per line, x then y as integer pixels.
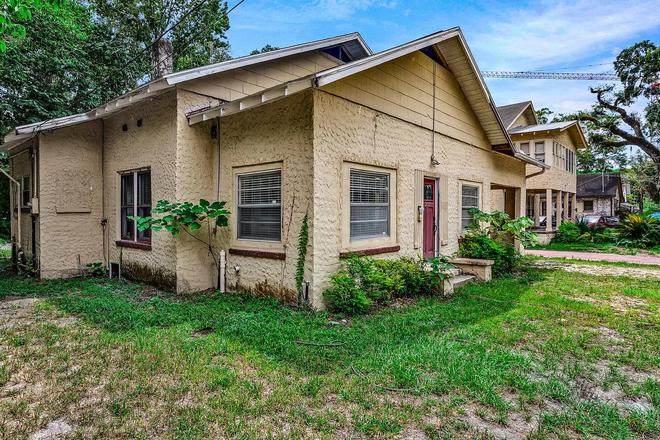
{"type": "Point", "coordinates": [456, 271]}
{"type": "Point", "coordinates": [463, 279]}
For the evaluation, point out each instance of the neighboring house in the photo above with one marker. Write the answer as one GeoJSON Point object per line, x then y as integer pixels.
{"type": "Point", "coordinates": [599, 193]}
{"type": "Point", "coordinates": [555, 145]}
{"type": "Point", "coordinates": [326, 130]}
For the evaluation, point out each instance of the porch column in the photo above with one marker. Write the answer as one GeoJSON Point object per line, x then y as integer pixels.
{"type": "Point", "coordinates": [548, 210]}
{"type": "Point", "coordinates": [574, 210]}
{"type": "Point", "coordinates": [567, 213]}
{"type": "Point", "coordinates": [559, 208]}
{"type": "Point", "coordinates": [537, 209]}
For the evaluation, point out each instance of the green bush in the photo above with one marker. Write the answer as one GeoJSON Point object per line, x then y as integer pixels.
{"type": "Point", "coordinates": [483, 247]}
{"type": "Point", "coordinates": [606, 235]}
{"type": "Point", "coordinates": [639, 230]}
{"type": "Point", "coordinates": [568, 233]}
{"type": "Point", "coordinates": [364, 281]}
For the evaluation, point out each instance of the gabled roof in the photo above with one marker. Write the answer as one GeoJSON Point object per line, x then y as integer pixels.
{"type": "Point", "coordinates": [510, 113]}
{"type": "Point", "coordinates": [573, 126]}
{"type": "Point", "coordinates": [598, 184]}
{"type": "Point", "coordinates": [452, 48]}
{"type": "Point", "coordinates": [352, 44]}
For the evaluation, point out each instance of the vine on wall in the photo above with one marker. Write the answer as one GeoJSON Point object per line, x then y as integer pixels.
{"type": "Point", "coordinates": [303, 239]}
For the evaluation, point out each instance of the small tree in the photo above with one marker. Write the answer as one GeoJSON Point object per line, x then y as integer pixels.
{"type": "Point", "coordinates": [186, 217]}
{"type": "Point", "coordinates": [499, 224]}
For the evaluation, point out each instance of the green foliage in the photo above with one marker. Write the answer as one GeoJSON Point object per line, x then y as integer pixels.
{"type": "Point", "coordinates": [643, 175]}
{"type": "Point", "coordinates": [365, 281]}
{"type": "Point", "coordinates": [97, 270]}
{"type": "Point", "coordinates": [15, 13]}
{"type": "Point", "coordinates": [499, 226]}
{"type": "Point", "coordinates": [67, 54]}
{"type": "Point", "coordinates": [494, 240]}
{"type": "Point", "coordinates": [201, 34]}
{"type": "Point", "coordinates": [266, 48]}
{"type": "Point", "coordinates": [640, 230]}
{"type": "Point", "coordinates": [303, 240]}
{"type": "Point", "coordinates": [567, 233]}
{"type": "Point", "coordinates": [179, 216]}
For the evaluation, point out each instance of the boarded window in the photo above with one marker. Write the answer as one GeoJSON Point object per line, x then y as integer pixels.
{"type": "Point", "coordinates": [469, 199]}
{"type": "Point", "coordinates": [135, 201]}
{"type": "Point", "coordinates": [370, 204]}
{"type": "Point", "coordinates": [259, 206]}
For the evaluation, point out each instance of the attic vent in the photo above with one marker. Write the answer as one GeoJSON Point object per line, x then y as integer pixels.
{"type": "Point", "coordinates": [430, 52]}
{"type": "Point", "coordinates": [338, 52]}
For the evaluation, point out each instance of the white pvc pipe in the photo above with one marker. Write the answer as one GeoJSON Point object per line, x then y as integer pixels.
{"type": "Point", "coordinates": [223, 265]}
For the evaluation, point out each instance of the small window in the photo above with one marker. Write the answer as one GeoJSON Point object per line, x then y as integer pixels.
{"type": "Point", "coordinates": [135, 201]}
{"type": "Point", "coordinates": [539, 151]}
{"type": "Point", "coordinates": [259, 206]}
{"type": "Point", "coordinates": [524, 148]}
{"type": "Point", "coordinates": [469, 199]}
{"type": "Point", "coordinates": [370, 204]}
{"type": "Point", "coordinates": [26, 191]}
{"type": "Point", "coordinates": [588, 205]}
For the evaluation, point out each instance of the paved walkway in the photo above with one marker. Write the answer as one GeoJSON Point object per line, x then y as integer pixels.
{"type": "Point", "coordinates": [594, 256]}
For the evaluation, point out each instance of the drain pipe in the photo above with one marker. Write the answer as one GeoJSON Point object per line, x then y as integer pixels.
{"type": "Point", "coordinates": [217, 181]}
{"type": "Point", "coordinates": [18, 194]}
{"type": "Point", "coordinates": [434, 161]}
{"type": "Point", "coordinates": [221, 272]}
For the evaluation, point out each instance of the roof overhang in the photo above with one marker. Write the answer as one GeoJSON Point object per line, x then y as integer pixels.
{"type": "Point", "coordinates": [450, 44]}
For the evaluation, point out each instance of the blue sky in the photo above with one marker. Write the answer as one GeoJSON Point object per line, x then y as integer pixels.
{"type": "Point", "coordinates": [520, 35]}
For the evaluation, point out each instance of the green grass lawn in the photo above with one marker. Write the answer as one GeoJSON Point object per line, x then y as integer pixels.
{"type": "Point", "coordinates": [609, 248]}
{"type": "Point", "coordinates": [550, 355]}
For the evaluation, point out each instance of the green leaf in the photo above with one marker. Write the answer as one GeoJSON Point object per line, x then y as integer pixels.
{"type": "Point", "coordinates": [195, 226]}
{"type": "Point", "coordinates": [204, 203]}
{"type": "Point", "coordinates": [217, 205]}
{"type": "Point", "coordinates": [222, 221]}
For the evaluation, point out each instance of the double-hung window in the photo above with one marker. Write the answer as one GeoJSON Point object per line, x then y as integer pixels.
{"type": "Point", "coordinates": [26, 191]}
{"type": "Point", "coordinates": [539, 151]}
{"type": "Point", "coordinates": [370, 204]}
{"type": "Point", "coordinates": [524, 147]}
{"type": "Point", "coordinates": [469, 200]}
{"type": "Point", "coordinates": [259, 206]}
{"type": "Point", "coordinates": [135, 201]}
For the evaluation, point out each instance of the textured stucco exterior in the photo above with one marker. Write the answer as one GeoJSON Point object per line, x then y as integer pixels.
{"type": "Point", "coordinates": [153, 146]}
{"type": "Point", "coordinates": [71, 199]}
{"type": "Point", "coordinates": [345, 131]}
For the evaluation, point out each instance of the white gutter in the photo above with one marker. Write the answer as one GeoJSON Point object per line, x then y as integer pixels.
{"type": "Point", "coordinates": [18, 187]}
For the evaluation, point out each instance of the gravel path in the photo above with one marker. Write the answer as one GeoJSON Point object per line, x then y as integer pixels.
{"type": "Point", "coordinates": [591, 269]}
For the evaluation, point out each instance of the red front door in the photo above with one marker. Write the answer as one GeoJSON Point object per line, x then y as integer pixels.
{"type": "Point", "coordinates": [429, 219]}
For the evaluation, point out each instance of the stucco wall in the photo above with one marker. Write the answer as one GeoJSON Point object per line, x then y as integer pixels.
{"type": "Point", "coordinates": [348, 131]}
{"type": "Point", "coordinates": [602, 205]}
{"type": "Point", "coordinates": [554, 178]}
{"type": "Point", "coordinates": [153, 145]}
{"type": "Point", "coordinates": [70, 192]}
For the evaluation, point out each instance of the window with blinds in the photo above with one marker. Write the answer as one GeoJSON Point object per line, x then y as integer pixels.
{"type": "Point", "coordinates": [259, 206]}
{"type": "Point", "coordinates": [524, 147]}
{"type": "Point", "coordinates": [539, 151]}
{"type": "Point", "coordinates": [370, 204]}
{"type": "Point", "coordinates": [469, 199]}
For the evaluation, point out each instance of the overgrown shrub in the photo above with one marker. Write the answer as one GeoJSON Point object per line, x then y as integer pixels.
{"type": "Point", "coordinates": [606, 235]}
{"type": "Point", "coordinates": [494, 241]}
{"type": "Point", "coordinates": [639, 230]}
{"type": "Point", "coordinates": [364, 281]}
{"type": "Point", "coordinates": [568, 233]}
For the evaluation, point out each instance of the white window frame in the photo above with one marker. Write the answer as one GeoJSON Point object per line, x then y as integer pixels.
{"type": "Point", "coordinates": [536, 153]}
{"type": "Point", "coordinates": [25, 187]}
{"type": "Point", "coordinates": [521, 147]}
{"type": "Point", "coordinates": [478, 197]}
{"type": "Point", "coordinates": [238, 206]}
{"type": "Point", "coordinates": [349, 245]}
{"type": "Point", "coordinates": [136, 206]}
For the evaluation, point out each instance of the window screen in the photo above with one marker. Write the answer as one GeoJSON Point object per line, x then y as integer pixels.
{"type": "Point", "coordinates": [524, 147]}
{"type": "Point", "coordinates": [539, 151]}
{"type": "Point", "coordinates": [370, 204]}
{"type": "Point", "coordinates": [470, 199]}
{"type": "Point", "coordinates": [259, 206]}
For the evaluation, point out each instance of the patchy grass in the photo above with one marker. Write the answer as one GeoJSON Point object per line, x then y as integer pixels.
{"type": "Point", "coordinates": [550, 355]}
{"type": "Point", "coordinates": [608, 248]}
{"type": "Point", "coordinates": [595, 262]}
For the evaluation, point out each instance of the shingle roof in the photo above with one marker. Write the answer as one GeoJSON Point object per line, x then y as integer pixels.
{"type": "Point", "coordinates": [597, 184]}
{"type": "Point", "coordinates": [509, 113]}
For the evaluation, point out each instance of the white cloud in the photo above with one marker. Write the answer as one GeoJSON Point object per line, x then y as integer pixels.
{"type": "Point", "coordinates": [562, 32]}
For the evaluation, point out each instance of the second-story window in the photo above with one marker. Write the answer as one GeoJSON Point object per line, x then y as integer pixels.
{"type": "Point", "coordinates": [539, 151]}
{"type": "Point", "coordinates": [524, 147]}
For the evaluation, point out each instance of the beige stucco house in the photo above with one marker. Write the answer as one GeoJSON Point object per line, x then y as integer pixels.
{"type": "Point", "coordinates": [556, 145]}
{"type": "Point", "coordinates": [384, 153]}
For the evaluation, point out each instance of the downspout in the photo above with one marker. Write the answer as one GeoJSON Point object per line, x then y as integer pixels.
{"type": "Point", "coordinates": [434, 161]}
{"type": "Point", "coordinates": [538, 173]}
{"type": "Point", "coordinates": [222, 261]}
{"type": "Point", "coordinates": [104, 221]}
{"type": "Point", "coordinates": [18, 191]}
{"type": "Point", "coordinates": [34, 195]}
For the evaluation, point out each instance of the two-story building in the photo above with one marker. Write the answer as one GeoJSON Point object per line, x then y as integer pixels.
{"type": "Point", "coordinates": [551, 192]}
